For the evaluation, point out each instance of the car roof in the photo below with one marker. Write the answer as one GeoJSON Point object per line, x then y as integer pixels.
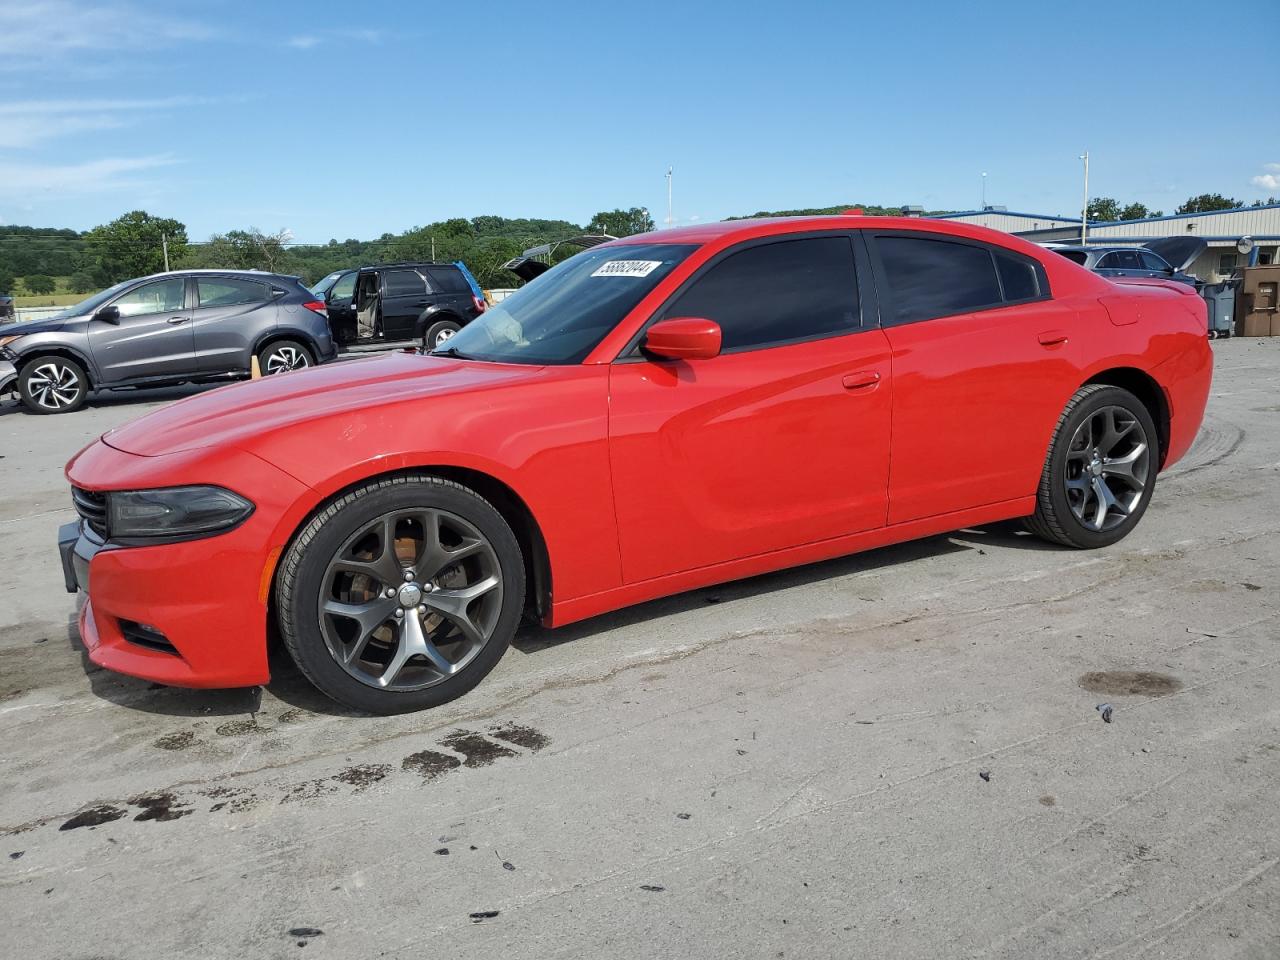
{"type": "Point", "coordinates": [248, 274]}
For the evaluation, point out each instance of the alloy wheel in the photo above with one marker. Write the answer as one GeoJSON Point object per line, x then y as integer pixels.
{"type": "Point", "coordinates": [442, 336]}
{"type": "Point", "coordinates": [1107, 469]}
{"type": "Point", "coordinates": [410, 599]}
{"type": "Point", "coordinates": [285, 358]}
{"type": "Point", "coordinates": [54, 386]}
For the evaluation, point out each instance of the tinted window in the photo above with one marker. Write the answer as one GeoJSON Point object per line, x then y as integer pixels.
{"type": "Point", "coordinates": [449, 280]}
{"type": "Point", "coordinates": [344, 288]}
{"type": "Point", "coordinates": [1018, 276]}
{"type": "Point", "coordinates": [1151, 262]}
{"type": "Point", "coordinates": [225, 291]}
{"type": "Point", "coordinates": [562, 315]}
{"type": "Point", "coordinates": [1121, 260]}
{"type": "Point", "coordinates": [165, 296]}
{"type": "Point", "coordinates": [777, 292]}
{"type": "Point", "coordinates": [935, 278]}
{"type": "Point", "coordinates": [402, 283]}
{"type": "Point", "coordinates": [1077, 256]}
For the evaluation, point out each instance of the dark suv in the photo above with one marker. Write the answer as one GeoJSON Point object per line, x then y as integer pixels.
{"type": "Point", "coordinates": [188, 326]}
{"type": "Point", "coordinates": [6, 308]}
{"type": "Point", "coordinates": [398, 302]}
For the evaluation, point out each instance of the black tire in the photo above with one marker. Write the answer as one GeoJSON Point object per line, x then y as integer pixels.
{"type": "Point", "coordinates": [53, 384]}
{"type": "Point", "coordinates": [301, 585]}
{"type": "Point", "coordinates": [433, 337]}
{"type": "Point", "coordinates": [281, 356]}
{"type": "Point", "coordinates": [1055, 519]}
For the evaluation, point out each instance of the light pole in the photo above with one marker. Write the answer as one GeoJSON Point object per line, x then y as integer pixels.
{"type": "Point", "coordinates": [1084, 208]}
{"type": "Point", "coordinates": [984, 190]}
{"type": "Point", "coordinates": [669, 220]}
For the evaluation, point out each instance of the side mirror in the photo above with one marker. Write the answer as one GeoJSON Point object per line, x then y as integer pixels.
{"type": "Point", "coordinates": [683, 338]}
{"type": "Point", "coordinates": [108, 315]}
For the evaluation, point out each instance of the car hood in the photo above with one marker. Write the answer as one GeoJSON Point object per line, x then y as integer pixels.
{"type": "Point", "coordinates": [239, 414]}
{"type": "Point", "coordinates": [26, 327]}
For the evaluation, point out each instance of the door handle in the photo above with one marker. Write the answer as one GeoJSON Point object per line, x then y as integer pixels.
{"type": "Point", "coordinates": [424, 303]}
{"type": "Point", "coordinates": [1052, 338]}
{"type": "Point", "coordinates": [177, 320]}
{"type": "Point", "coordinates": [863, 380]}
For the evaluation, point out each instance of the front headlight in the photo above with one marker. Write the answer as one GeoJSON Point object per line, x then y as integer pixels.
{"type": "Point", "coordinates": [173, 513]}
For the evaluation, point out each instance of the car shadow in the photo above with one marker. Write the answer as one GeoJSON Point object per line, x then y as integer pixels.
{"type": "Point", "coordinates": [106, 399]}
{"type": "Point", "coordinates": [291, 687]}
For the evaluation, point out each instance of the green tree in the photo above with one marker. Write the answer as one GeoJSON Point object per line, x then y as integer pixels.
{"type": "Point", "coordinates": [1103, 208]}
{"type": "Point", "coordinates": [6, 280]}
{"type": "Point", "coordinates": [1208, 202]}
{"type": "Point", "coordinates": [1137, 211]}
{"type": "Point", "coordinates": [621, 223]}
{"type": "Point", "coordinates": [39, 284]}
{"type": "Point", "coordinates": [81, 282]}
{"type": "Point", "coordinates": [133, 245]}
{"type": "Point", "coordinates": [1265, 203]}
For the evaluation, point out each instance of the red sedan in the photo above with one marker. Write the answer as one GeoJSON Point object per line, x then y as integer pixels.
{"type": "Point", "coordinates": [656, 414]}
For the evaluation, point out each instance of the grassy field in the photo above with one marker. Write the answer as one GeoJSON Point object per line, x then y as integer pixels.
{"type": "Point", "coordinates": [62, 295]}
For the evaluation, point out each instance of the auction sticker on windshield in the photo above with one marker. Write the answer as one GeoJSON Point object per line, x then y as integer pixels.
{"type": "Point", "coordinates": [627, 268]}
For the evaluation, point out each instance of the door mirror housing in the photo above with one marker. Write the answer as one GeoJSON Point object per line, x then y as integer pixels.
{"type": "Point", "coordinates": [683, 338]}
{"type": "Point", "coordinates": [108, 315]}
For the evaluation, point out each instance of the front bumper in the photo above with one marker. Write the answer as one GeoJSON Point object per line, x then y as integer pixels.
{"type": "Point", "coordinates": [8, 377]}
{"type": "Point", "coordinates": [192, 613]}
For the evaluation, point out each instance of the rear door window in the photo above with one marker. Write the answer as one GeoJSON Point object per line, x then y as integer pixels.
{"type": "Point", "coordinates": [403, 283]}
{"type": "Point", "coordinates": [1125, 260]}
{"type": "Point", "coordinates": [776, 293]}
{"type": "Point", "coordinates": [229, 291]}
{"type": "Point", "coordinates": [931, 278]}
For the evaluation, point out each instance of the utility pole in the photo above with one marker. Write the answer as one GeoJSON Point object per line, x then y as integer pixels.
{"type": "Point", "coordinates": [670, 221]}
{"type": "Point", "coordinates": [164, 243]}
{"type": "Point", "coordinates": [433, 248]}
{"type": "Point", "coordinates": [1084, 209]}
{"type": "Point", "coordinates": [984, 190]}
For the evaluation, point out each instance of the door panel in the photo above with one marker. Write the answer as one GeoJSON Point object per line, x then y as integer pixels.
{"type": "Point", "coordinates": [748, 452]}
{"type": "Point", "coordinates": [153, 337]}
{"type": "Point", "coordinates": [976, 398]}
{"type": "Point", "coordinates": [405, 295]}
{"type": "Point", "coordinates": [230, 314]}
{"type": "Point", "coordinates": [340, 305]}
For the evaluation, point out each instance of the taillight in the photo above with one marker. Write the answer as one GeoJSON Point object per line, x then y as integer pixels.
{"type": "Point", "coordinates": [481, 306]}
{"type": "Point", "coordinates": [318, 307]}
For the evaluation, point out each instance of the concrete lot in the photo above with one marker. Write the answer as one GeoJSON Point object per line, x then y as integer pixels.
{"type": "Point", "coordinates": [784, 767]}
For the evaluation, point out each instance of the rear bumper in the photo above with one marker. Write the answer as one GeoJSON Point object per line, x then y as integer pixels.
{"type": "Point", "coordinates": [193, 613]}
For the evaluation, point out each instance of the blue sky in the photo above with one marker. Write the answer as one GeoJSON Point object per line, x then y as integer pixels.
{"type": "Point", "coordinates": [354, 119]}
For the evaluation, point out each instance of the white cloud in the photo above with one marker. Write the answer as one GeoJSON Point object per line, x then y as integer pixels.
{"type": "Point", "coordinates": [1268, 181]}
{"type": "Point", "coordinates": [43, 29]}
{"type": "Point", "coordinates": [20, 180]}
{"type": "Point", "coordinates": [26, 123]}
{"type": "Point", "coordinates": [304, 42]}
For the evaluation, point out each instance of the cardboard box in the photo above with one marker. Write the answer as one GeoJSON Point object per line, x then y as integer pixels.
{"type": "Point", "coordinates": [1257, 324]}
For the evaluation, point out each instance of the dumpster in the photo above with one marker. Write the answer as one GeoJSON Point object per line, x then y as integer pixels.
{"type": "Point", "coordinates": [1221, 300]}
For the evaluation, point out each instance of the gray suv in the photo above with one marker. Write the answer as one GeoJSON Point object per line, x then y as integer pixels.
{"type": "Point", "coordinates": [189, 326]}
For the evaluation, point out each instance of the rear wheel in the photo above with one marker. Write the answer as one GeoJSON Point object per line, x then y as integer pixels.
{"type": "Point", "coordinates": [402, 594]}
{"type": "Point", "coordinates": [439, 332]}
{"type": "Point", "coordinates": [283, 356]}
{"type": "Point", "coordinates": [53, 385]}
{"type": "Point", "coordinates": [1100, 472]}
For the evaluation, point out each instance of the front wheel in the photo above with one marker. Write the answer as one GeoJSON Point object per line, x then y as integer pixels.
{"type": "Point", "coordinates": [402, 594]}
{"type": "Point", "coordinates": [1100, 472]}
{"type": "Point", "coordinates": [283, 356]}
{"type": "Point", "coordinates": [53, 385]}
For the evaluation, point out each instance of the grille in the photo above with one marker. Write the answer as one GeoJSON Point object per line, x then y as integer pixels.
{"type": "Point", "coordinates": [92, 507]}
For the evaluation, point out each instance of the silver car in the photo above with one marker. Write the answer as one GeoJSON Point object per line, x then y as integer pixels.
{"type": "Point", "coordinates": [187, 326]}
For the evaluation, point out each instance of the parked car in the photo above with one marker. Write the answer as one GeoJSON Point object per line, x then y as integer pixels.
{"type": "Point", "coordinates": [652, 415]}
{"type": "Point", "coordinates": [6, 308]}
{"type": "Point", "coordinates": [399, 302]}
{"type": "Point", "coordinates": [1156, 259]}
{"type": "Point", "coordinates": [186, 326]}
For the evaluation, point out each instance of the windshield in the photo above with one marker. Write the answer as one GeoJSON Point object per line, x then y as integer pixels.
{"type": "Point", "coordinates": [562, 315]}
{"type": "Point", "coordinates": [326, 284]}
{"type": "Point", "coordinates": [94, 302]}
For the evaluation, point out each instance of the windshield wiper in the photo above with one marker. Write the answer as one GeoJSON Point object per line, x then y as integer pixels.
{"type": "Point", "coordinates": [449, 352]}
